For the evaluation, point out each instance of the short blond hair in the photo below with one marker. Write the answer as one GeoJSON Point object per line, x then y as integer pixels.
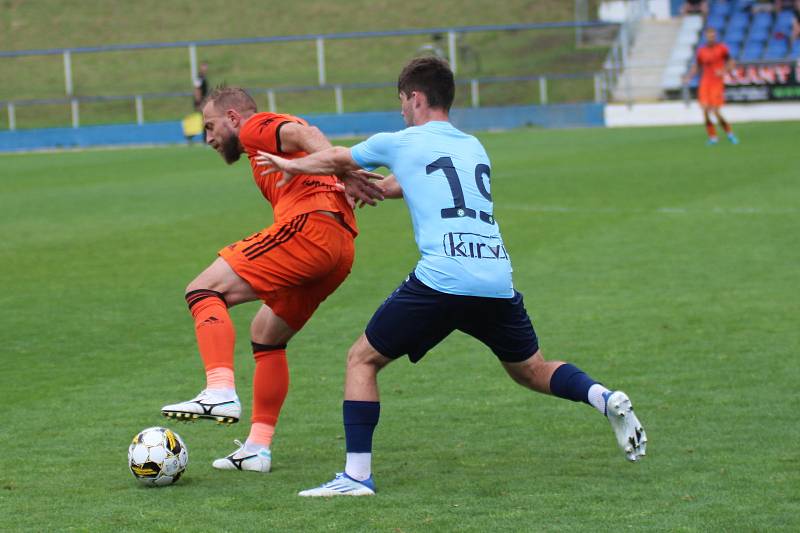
{"type": "Point", "coordinates": [231, 98]}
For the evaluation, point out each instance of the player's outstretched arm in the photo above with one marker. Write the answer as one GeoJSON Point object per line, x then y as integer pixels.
{"type": "Point", "coordinates": [391, 187]}
{"type": "Point", "coordinates": [296, 137]}
{"type": "Point", "coordinates": [335, 160]}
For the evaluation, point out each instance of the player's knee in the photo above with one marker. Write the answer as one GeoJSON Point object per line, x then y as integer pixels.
{"type": "Point", "coordinates": [196, 296]}
{"type": "Point", "coordinates": [528, 373]}
{"type": "Point", "coordinates": [360, 356]}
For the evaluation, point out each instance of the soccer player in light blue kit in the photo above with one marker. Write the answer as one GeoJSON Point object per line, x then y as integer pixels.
{"type": "Point", "coordinates": [462, 281]}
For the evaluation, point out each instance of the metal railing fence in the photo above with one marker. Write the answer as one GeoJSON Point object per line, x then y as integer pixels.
{"type": "Point", "coordinates": [138, 100]}
{"type": "Point", "coordinates": [473, 85]}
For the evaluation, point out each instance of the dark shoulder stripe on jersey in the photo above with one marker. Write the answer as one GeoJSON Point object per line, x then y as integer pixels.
{"type": "Point", "coordinates": [278, 134]}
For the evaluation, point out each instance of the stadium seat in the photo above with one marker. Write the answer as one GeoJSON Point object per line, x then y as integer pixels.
{"type": "Point", "coordinates": [751, 52]}
{"type": "Point", "coordinates": [783, 23]}
{"type": "Point", "coordinates": [719, 8]}
{"type": "Point", "coordinates": [743, 5]}
{"type": "Point", "coordinates": [739, 20]}
{"type": "Point", "coordinates": [716, 22]}
{"type": "Point", "coordinates": [777, 49]}
{"type": "Point", "coordinates": [733, 35]}
{"type": "Point", "coordinates": [733, 48]}
{"type": "Point", "coordinates": [762, 20]}
{"type": "Point", "coordinates": [759, 35]}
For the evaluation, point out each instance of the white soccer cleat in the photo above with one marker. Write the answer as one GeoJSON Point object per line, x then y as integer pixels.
{"type": "Point", "coordinates": [342, 485]}
{"type": "Point", "coordinates": [224, 408]}
{"type": "Point", "coordinates": [629, 431]}
{"type": "Point", "coordinates": [242, 459]}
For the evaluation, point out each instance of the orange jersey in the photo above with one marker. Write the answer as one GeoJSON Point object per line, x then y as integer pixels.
{"type": "Point", "coordinates": [304, 194]}
{"type": "Point", "coordinates": [712, 59]}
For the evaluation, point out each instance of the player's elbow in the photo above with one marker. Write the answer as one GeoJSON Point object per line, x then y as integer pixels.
{"type": "Point", "coordinates": [342, 160]}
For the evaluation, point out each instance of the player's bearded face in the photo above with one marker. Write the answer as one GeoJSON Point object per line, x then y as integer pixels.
{"type": "Point", "coordinates": [221, 135]}
{"type": "Point", "coordinates": [228, 145]}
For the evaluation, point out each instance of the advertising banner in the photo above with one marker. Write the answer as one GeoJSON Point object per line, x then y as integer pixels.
{"type": "Point", "coordinates": [755, 82]}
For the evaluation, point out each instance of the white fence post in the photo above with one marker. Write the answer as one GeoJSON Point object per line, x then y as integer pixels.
{"type": "Point", "coordinates": [543, 90]}
{"type": "Point", "coordinates": [76, 118]}
{"type": "Point", "coordinates": [321, 60]}
{"type": "Point", "coordinates": [337, 91]}
{"type": "Point", "coordinates": [271, 101]}
{"type": "Point", "coordinates": [451, 48]}
{"type": "Point", "coordinates": [12, 116]}
{"type": "Point", "coordinates": [193, 62]}
{"type": "Point", "coordinates": [598, 87]}
{"type": "Point", "coordinates": [139, 110]}
{"type": "Point", "coordinates": [68, 72]}
{"type": "Point", "coordinates": [474, 93]}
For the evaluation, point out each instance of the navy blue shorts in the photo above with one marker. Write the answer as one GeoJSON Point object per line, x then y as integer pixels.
{"type": "Point", "coordinates": [415, 318]}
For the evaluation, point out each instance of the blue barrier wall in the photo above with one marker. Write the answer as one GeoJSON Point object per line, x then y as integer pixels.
{"type": "Point", "coordinates": [347, 124]}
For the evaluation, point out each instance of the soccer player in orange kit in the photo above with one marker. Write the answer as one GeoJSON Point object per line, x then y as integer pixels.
{"type": "Point", "coordinates": [715, 60]}
{"type": "Point", "coordinates": [291, 266]}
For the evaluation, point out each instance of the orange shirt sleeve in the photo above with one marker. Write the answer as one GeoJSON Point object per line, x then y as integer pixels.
{"type": "Point", "coordinates": [262, 132]}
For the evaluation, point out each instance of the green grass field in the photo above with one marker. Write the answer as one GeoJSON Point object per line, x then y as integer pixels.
{"type": "Point", "coordinates": [29, 25]}
{"type": "Point", "coordinates": [658, 265]}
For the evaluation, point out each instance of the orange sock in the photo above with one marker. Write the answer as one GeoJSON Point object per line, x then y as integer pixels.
{"type": "Point", "coordinates": [215, 336]}
{"type": "Point", "coordinates": [270, 386]}
{"type": "Point", "coordinates": [711, 130]}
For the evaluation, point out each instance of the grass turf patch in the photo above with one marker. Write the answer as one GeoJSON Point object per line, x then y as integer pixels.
{"type": "Point", "coordinates": [657, 264]}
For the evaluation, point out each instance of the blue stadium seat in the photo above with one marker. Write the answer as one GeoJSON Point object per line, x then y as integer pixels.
{"type": "Point", "coordinates": [716, 22]}
{"type": "Point", "coordinates": [733, 48]}
{"type": "Point", "coordinates": [739, 20]}
{"type": "Point", "coordinates": [743, 5]}
{"type": "Point", "coordinates": [733, 35]}
{"type": "Point", "coordinates": [783, 23]}
{"type": "Point", "coordinates": [775, 53]}
{"type": "Point", "coordinates": [796, 50]}
{"type": "Point", "coordinates": [719, 8]}
{"type": "Point", "coordinates": [777, 49]}
{"type": "Point", "coordinates": [758, 35]}
{"type": "Point", "coordinates": [762, 20]}
{"type": "Point", "coordinates": [752, 52]}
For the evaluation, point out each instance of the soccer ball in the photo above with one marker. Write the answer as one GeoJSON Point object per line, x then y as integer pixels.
{"type": "Point", "coordinates": [157, 456]}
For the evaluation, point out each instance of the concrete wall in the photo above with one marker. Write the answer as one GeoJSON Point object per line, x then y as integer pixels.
{"type": "Point", "coordinates": [679, 113]}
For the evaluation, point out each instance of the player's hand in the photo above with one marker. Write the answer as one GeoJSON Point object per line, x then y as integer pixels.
{"type": "Point", "coordinates": [273, 163]}
{"type": "Point", "coordinates": [359, 186]}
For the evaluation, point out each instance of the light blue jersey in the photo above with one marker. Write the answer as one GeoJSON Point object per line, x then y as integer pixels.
{"type": "Point", "coordinates": [445, 176]}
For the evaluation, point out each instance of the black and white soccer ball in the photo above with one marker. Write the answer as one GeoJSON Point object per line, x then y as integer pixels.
{"type": "Point", "coordinates": [157, 456]}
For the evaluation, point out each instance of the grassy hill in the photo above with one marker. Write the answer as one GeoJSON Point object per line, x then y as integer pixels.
{"type": "Point", "coordinates": [54, 24]}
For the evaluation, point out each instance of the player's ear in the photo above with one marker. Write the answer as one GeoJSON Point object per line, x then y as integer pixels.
{"type": "Point", "coordinates": [234, 117]}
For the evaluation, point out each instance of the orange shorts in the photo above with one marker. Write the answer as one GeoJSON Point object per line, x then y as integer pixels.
{"type": "Point", "coordinates": [294, 265]}
{"type": "Point", "coordinates": [711, 94]}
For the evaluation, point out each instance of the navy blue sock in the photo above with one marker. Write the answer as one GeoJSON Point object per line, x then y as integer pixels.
{"type": "Point", "coordinates": [360, 419]}
{"type": "Point", "coordinates": [571, 383]}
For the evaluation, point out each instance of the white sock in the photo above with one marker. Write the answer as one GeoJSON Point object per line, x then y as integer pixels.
{"type": "Point", "coordinates": [596, 397]}
{"type": "Point", "coordinates": [359, 466]}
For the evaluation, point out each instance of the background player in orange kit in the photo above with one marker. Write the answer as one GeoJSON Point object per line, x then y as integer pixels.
{"type": "Point", "coordinates": [715, 60]}
{"type": "Point", "coordinates": [292, 266]}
